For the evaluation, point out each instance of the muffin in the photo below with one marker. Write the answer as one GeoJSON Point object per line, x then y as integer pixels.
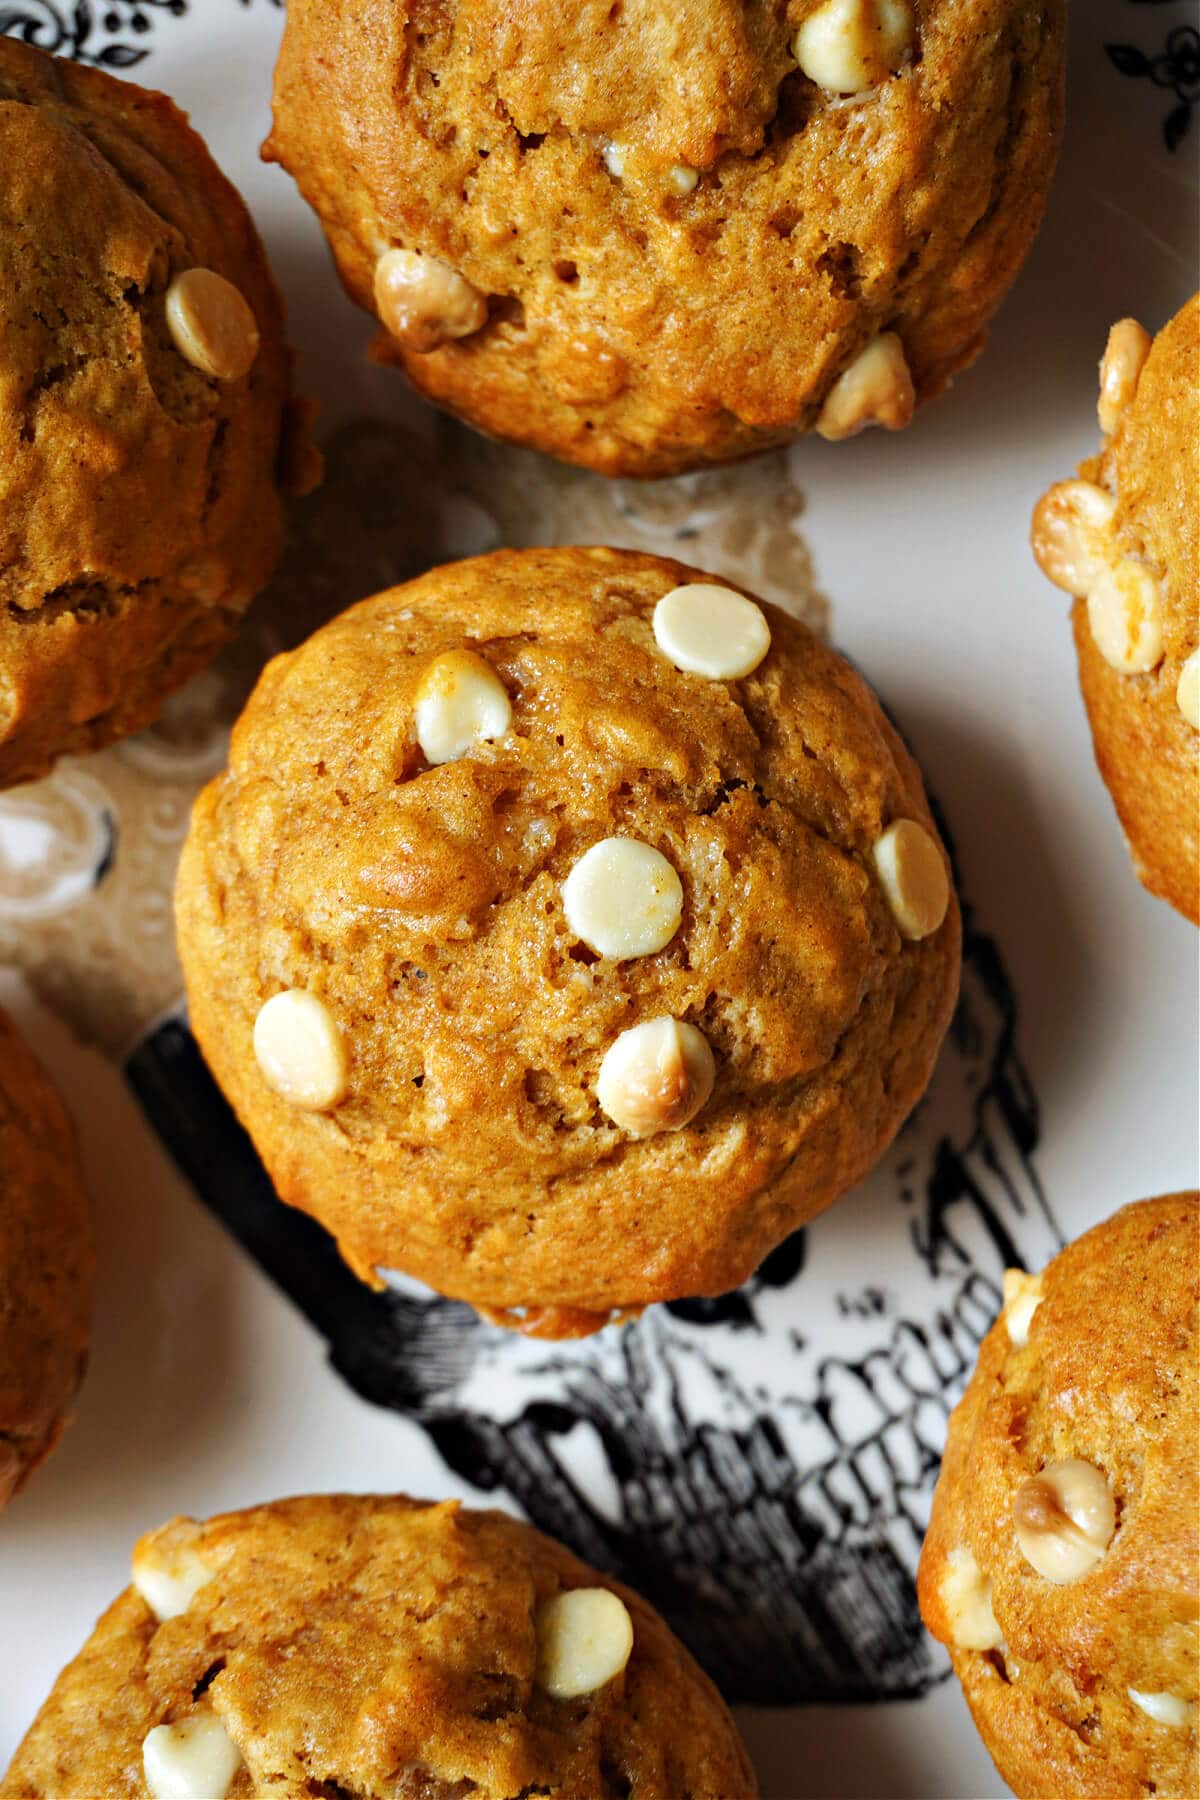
{"type": "Point", "coordinates": [1122, 540]}
{"type": "Point", "coordinates": [566, 930]}
{"type": "Point", "coordinates": [143, 382]}
{"type": "Point", "coordinates": [46, 1265]}
{"type": "Point", "coordinates": [353, 1644]}
{"type": "Point", "coordinates": [1061, 1563]}
{"type": "Point", "coordinates": [646, 242]}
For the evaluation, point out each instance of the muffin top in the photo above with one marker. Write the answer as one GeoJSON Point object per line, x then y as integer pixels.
{"type": "Point", "coordinates": [138, 446]}
{"type": "Point", "coordinates": [1122, 538]}
{"type": "Point", "coordinates": [46, 1264]}
{"type": "Point", "coordinates": [352, 1645]}
{"type": "Point", "coordinates": [645, 240]}
{"type": "Point", "coordinates": [1061, 1561]}
{"type": "Point", "coordinates": [608, 999]}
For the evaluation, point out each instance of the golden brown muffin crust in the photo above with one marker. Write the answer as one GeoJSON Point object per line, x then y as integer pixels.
{"type": "Point", "coordinates": [356, 1646]}
{"type": "Point", "coordinates": [1147, 751]}
{"type": "Point", "coordinates": [46, 1264]}
{"type": "Point", "coordinates": [631, 327]}
{"type": "Point", "coordinates": [138, 508]}
{"type": "Point", "coordinates": [423, 905]}
{"type": "Point", "coordinates": [1108, 1374]}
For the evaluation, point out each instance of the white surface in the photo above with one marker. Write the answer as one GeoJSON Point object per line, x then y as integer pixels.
{"type": "Point", "coordinates": [209, 1391]}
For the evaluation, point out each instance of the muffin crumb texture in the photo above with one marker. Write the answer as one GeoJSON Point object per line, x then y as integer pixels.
{"type": "Point", "coordinates": [728, 226]}
{"type": "Point", "coordinates": [141, 411]}
{"type": "Point", "coordinates": [566, 930]}
{"type": "Point", "coordinates": [46, 1264]}
{"type": "Point", "coordinates": [1060, 1567]}
{"type": "Point", "coordinates": [350, 1646]}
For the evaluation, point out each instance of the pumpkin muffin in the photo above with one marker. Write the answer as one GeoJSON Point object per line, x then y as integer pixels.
{"type": "Point", "coordinates": [566, 930]}
{"type": "Point", "coordinates": [646, 240]}
{"type": "Point", "coordinates": [143, 381]}
{"type": "Point", "coordinates": [354, 1645]}
{"type": "Point", "coordinates": [46, 1264]}
{"type": "Point", "coordinates": [1061, 1563]}
{"type": "Point", "coordinates": [1122, 539]}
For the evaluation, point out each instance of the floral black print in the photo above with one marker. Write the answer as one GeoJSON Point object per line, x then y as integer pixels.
{"type": "Point", "coordinates": [112, 35]}
{"type": "Point", "coordinates": [1176, 69]}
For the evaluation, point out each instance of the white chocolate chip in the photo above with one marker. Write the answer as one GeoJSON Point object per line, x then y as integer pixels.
{"type": "Point", "coordinates": [655, 1077]}
{"type": "Point", "coordinates": [212, 324]}
{"type": "Point", "coordinates": [613, 156]}
{"type": "Point", "coordinates": [1064, 1519]}
{"type": "Point", "coordinates": [966, 1594]}
{"type": "Point", "coordinates": [1125, 617]}
{"type": "Point", "coordinates": [711, 630]}
{"type": "Point", "coordinates": [194, 1760]}
{"type": "Point", "coordinates": [912, 874]}
{"type": "Point", "coordinates": [1022, 1297]}
{"type": "Point", "coordinates": [585, 1637]}
{"type": "Point", "coordinates": [422, 302]}
{"type": "Point", "coordinates": [460, 702]}
{"type": "Point", "coordinates": [1121, 367]}
{"type": "Point", "coordinates": [876, 389]}
{"type": "Point", "coordinates": [1187, 690]}
{"type": "Point", "coordinates": [1165, 1709]}
{"type": "Point", "coordinates": [167, 1572]}
{"type": "Point", "coordinates": [680, 178]}
{"type": "Point", "coordinates": [849, 45]}
{"type": "Point", "coordinates": [1072, 534]}
{"type": "Point", "coordinates": [623, 899]}
{"type": "Point", "coordinates": [1075, 544]}
{"type": "Point", "coordinates": [300, 1051]}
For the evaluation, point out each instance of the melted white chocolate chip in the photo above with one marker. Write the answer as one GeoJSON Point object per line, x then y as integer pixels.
{"type": "Point", "coordinates": [678, 178]}
{"type": "Point", "coordinates": [847, 46]}
{"type": "Point", "coordinates": [623, 899]}
{"type": "Point", "coordinates": [656, 1077]}
{"type": "Point", "coordinates": [1171, 1710]}
{"type": "Point", "coordinates": [460, 702]}
{"type": "Point", "coordinates": [167, 1572]}
{"type": "Point", "coordinates": [585, 1638]}
{"type": "Point", "coordinates": [1065, 1518]}
{"type": "Point", "coordinates": [422, 302]}
{"type": "Point", "coordinates": [1124, 358]}
{"type": "Point", "coordinates": [1125, 617]}
{"type": "Point", "coordinates": [912, 874]}
{"type": "Point", "coordinates": [711, 630]}
{"type": "Point", "coordinates": [612, 155]}
{"type": "Point", "coordinates": [1074, 541]}
{"type": "Point", "coordinates": [1071, 536]}
{"type": "Point", "coordinates": [876, 389]}
{"type": "Point", "coordinates": [1187, 690]}
{"type": "Point", "coordinates": [966, 1595]}
{"type": "Point", "coordinates": [193, 1760]}
{"type": "Point", "coordinates": [1022, 1297]}
{"type": "Point", "coordinates": [299, 1049]}
{"type": "Point", "coordinates": [211, 324]}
